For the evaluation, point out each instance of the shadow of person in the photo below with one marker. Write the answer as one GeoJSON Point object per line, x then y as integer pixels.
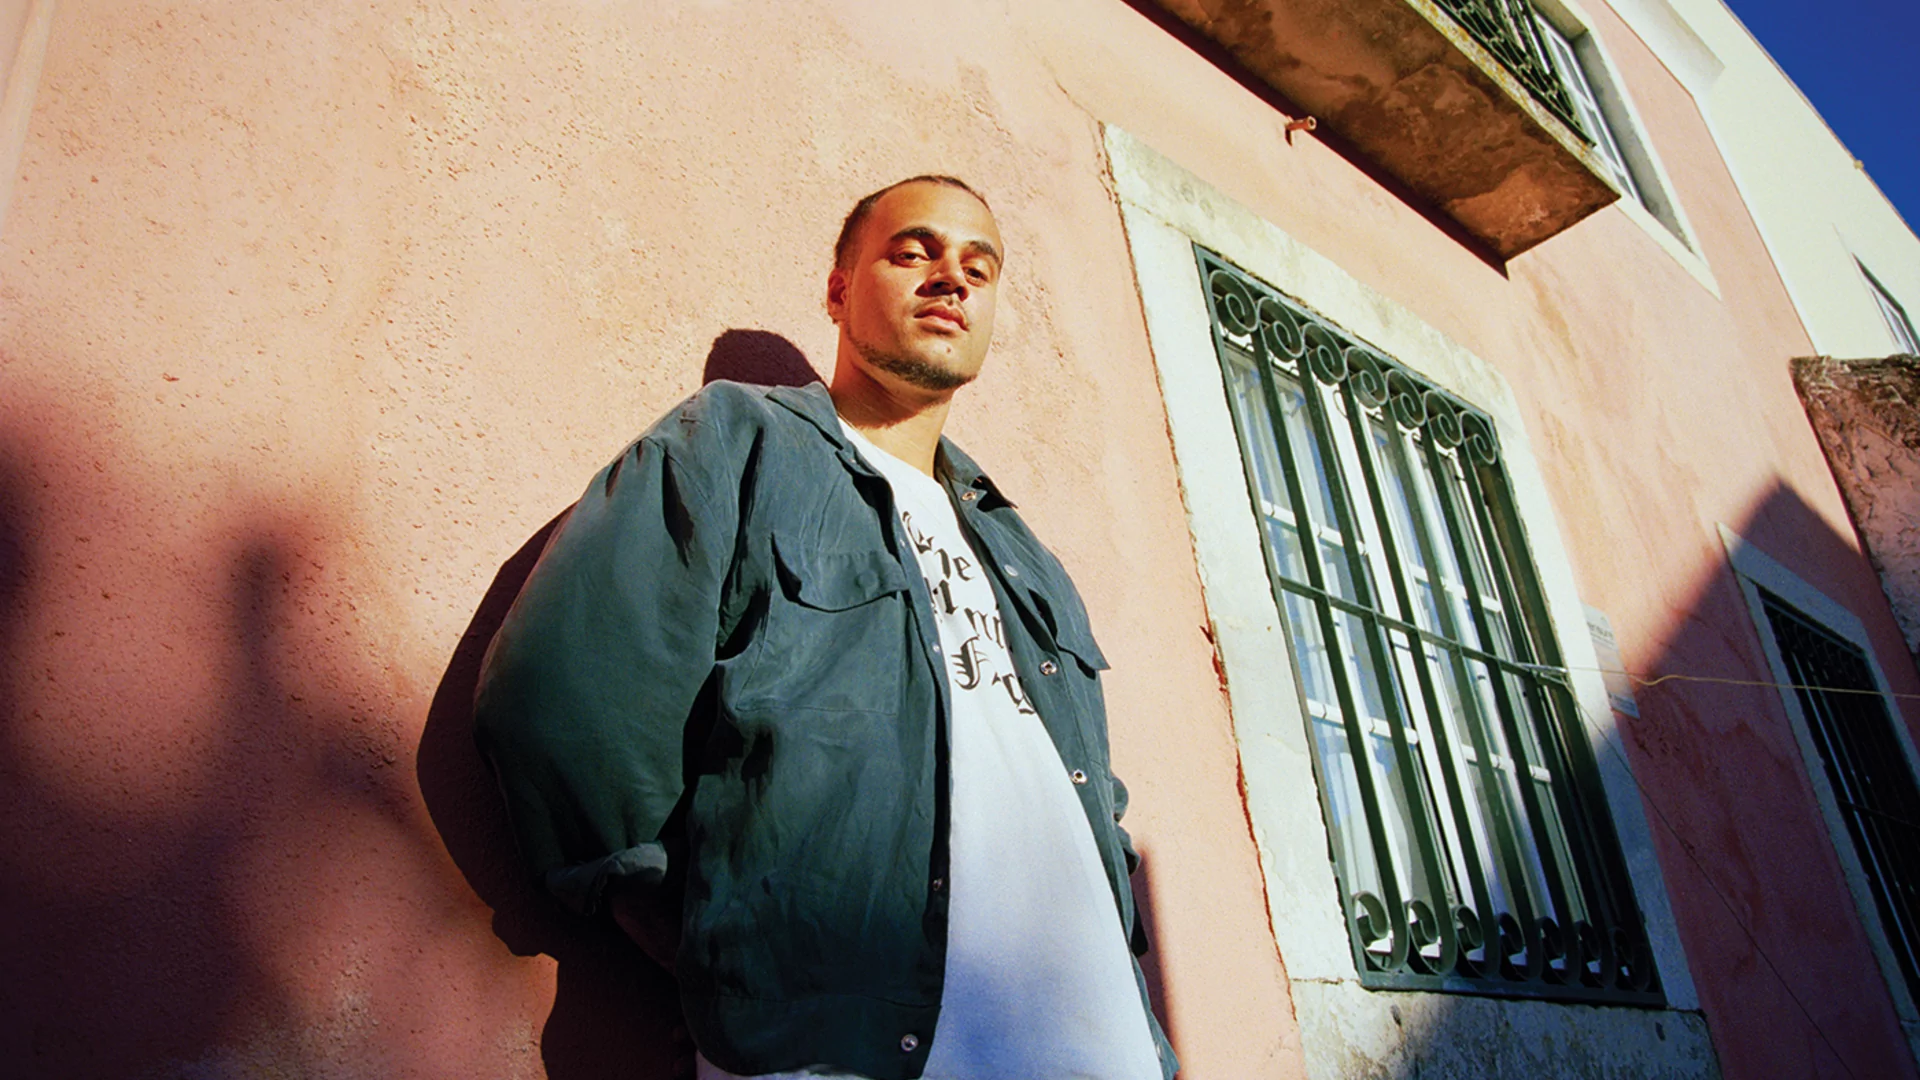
{"type": "Point", "coordinates": [614, 1013]}
{"type": "Point", "coordinates": [757, 357]}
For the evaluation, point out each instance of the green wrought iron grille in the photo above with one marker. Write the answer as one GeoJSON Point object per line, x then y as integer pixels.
{"type": "Point", "coordinates": [1470, 836]}
{"type": "Point", "coordinates": [1507, 30]}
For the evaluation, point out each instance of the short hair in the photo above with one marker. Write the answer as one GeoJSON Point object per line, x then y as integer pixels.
{"type": "Point", "coordinates": [850, 228]}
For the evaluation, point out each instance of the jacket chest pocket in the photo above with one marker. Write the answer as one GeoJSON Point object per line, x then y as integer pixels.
{"type": "Point", "coordinates": [836, 637]}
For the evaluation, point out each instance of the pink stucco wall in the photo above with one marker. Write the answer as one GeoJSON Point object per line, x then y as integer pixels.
{"type": "Point", "coordinates": [312, 316]}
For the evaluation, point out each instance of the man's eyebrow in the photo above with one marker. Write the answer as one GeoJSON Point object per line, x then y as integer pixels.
{"type": "Point", "coordinates": [926, 235]}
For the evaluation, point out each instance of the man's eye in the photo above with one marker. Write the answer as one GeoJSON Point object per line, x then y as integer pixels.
{"type": "Point", "coordinates": [908, 256]}
{"type": "Point", "coordinates": [976, 273]}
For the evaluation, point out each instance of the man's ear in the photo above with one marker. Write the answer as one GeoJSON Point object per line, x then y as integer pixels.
{"type": "Point", "coordinates": [836, 294]}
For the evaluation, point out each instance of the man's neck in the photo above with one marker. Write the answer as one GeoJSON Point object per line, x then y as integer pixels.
{"type": "Point", "coordinates": [906, 424]}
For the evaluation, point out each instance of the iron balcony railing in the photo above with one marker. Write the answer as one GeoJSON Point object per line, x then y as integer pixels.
{"type": "Point", "coordinates": [1510, 31]}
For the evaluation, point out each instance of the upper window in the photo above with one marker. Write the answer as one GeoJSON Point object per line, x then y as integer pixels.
{"type": "Point", "coordinates": [1901, 327]}
{"type": "Point", "coordinates": [1604, 113]}
{"type": "Point", "coordinates": [1587, 104]}
{"type": "Point", "coordinates": [1471, 841]}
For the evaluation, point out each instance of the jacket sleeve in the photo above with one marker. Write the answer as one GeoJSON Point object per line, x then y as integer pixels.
{"type": "Point", "coordinates": [585, 693]}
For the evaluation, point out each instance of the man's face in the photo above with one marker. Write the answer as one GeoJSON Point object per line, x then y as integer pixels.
{"type": "Point", "coordinates": [916, 301]}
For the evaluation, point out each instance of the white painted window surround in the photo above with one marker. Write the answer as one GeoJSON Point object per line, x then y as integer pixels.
{"type": "Point", "coordinates": [1166, 210]}
{"type": "Point", "coordinates": [1755, 570]}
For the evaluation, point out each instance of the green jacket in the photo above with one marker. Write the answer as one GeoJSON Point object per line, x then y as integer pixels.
{"type": "Point", "coordinates": [726, 650]}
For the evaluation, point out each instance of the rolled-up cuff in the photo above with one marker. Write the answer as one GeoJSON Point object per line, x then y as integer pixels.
{"type": "Point", "coordinates": [581, 885]}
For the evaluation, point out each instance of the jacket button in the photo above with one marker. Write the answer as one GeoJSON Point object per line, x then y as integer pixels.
{"type": "Point", "coordinates": [1078, 776]}
{"type": "Point", "coordinates": [909, 1043]}
{"type": "Point", "coordinates": [937, 884]}
{"type": "Point", "coordinates": [965, 496]}
{"type": "Point", "coordinates": [1048, 667]}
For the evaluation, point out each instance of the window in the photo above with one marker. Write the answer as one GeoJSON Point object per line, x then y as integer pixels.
{"type": "Point", "coordinates": [1587, 104]}
{"type": "Point", "coordinates": [1898, 324]}
{"type": "Point", "coordinates": [1865, 765]}
{"type": "Point", "coordinates": [1471, 843]}
{"type": "Point", "coordinates": [1607, 117]}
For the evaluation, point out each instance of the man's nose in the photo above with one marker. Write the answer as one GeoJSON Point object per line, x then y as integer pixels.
{"type": "Point", "coordinates": [947, 278]}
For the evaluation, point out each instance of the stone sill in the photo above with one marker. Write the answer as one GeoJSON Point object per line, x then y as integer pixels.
{"type": "Point", "coordinates": [1405, 85]}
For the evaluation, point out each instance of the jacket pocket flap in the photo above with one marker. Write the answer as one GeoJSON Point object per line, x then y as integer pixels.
{"type": "Point", "coordinates": [835, 580]}
{"type": "Point", "coordinates": [1078, 640]}
{"type": "Point", "coordinates": [1068, 624]}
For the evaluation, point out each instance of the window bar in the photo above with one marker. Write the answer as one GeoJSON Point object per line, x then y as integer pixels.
{"type": "Point", "coordinates": [1622, 950]}
{"type": "Point", "coordinates": [1625, 958]}
{"type": "Point", "coordinates": [1857, 746]}
{"type": "Point", "coordinates": [1233, 307]}
{"type": "Point", "coordinates": [1879, 851]}
{"type": "Point", "coordinates": [1581, 799]}
{"type": "Point", "coordinates": [1524, 932]}
{"type": "Point", "coordinates": [1323, 364]}
{"type": "Point", "coordinates": [1471, 722]}
{"type": "Point", "coordinates": [1362, 392]}
{"type": "Point", "coordinates": [1547, 925]}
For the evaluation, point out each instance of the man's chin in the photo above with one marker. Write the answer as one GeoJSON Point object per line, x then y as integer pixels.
{"type": "Point", "coordinates": [920, 373]}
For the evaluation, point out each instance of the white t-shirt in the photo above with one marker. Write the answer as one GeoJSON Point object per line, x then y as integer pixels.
{"type": "Point", "coordinates": [1039, 983]}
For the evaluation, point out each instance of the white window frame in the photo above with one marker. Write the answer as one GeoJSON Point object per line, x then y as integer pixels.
{"type": "Point", "coordinates": [1755, 570]}
{"type": "Point", "coordinates": [1905, 340]}
{"type": "Point", "coordinates": [1587, 104]}
{"type": "Point", "coordinates": [1344, 1026]}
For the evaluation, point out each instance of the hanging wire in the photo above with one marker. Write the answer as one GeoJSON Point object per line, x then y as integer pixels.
{"type": "Point", "coordinates": [1646, 681]}
{"type": "Point", "coordinates": [1699, 866]}
{"type": "Point", "coordinates": [1692, 856]}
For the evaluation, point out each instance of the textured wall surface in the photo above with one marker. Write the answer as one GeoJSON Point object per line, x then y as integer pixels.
{"type": "Point", "coordinates": [1867, 415]}
{"type": "Point", "coordinates": [313, 316]}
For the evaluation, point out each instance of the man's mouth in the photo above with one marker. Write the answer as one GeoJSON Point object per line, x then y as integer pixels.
{"type": "Point", "coordinates": [941, 311]}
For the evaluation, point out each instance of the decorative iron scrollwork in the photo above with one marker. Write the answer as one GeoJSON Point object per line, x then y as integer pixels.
{"type": "Point", "coordinates": [1297, 340]}
{"type": "Point", "coordinates": [1375, 932]}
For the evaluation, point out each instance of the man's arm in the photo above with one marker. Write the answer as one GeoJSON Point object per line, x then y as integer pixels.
{"type": "Point", "coordinates": [586, 690]}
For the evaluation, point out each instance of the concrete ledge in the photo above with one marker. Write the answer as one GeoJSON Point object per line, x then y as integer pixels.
{"type": "Point", "coordinates": [1350, 1033]}
{"type": "Point", "coordinates": [1404, 84]}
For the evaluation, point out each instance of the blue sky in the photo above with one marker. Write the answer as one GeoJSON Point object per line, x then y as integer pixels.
{"type": "Point", "coordinates": [1858, 61]}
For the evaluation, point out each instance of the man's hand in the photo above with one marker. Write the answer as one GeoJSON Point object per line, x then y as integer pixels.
{"type": "Point", "coordinates": [644, 915]}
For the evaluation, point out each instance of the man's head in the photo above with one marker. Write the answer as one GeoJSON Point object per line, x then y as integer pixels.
{"type": "Point", "coordinates": [915, 274]}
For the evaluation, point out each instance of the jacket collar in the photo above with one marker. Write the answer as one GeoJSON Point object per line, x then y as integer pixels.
{"type": "Point", "coordinates": [813, 404]}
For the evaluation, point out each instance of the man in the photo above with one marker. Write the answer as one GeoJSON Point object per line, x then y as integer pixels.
{"type": "Point", "coordinates": [796, 693]}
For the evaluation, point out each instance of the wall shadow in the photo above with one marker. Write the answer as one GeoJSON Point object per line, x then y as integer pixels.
{"type": "Point", "coordinates": [758, 357]}
{"type": "Point", "coordinates": [194, 793]}
{"type": "Point", "coordinates": [1774, 942]}
{"type": "Point", "coordinates": [1142, 883]}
